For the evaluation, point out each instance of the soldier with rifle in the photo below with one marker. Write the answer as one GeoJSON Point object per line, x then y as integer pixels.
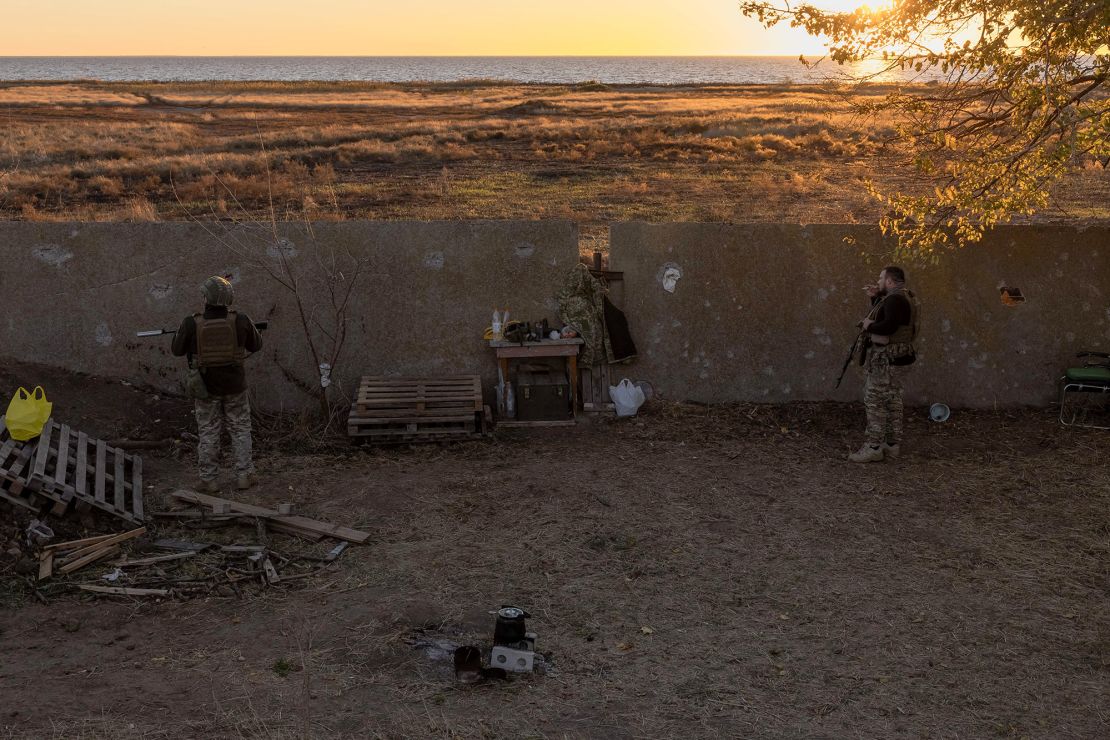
{"type": "Point", "coordinates": [216, 343]}
{"type": "Point", "coordinates": [886, 343]}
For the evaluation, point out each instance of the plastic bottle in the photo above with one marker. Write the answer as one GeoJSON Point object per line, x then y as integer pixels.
{"type": "Point", "coordinates": [497, 326]}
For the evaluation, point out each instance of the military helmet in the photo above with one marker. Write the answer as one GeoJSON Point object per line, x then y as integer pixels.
{"type": "Point", "coordinates": [217, 291]}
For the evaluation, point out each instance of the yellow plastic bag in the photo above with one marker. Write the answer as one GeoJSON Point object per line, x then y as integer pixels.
{"type": "Point", "coordinates": [27, 414]}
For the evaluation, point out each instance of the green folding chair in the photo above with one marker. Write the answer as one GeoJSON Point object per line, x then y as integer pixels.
{"type": "Point", "coordinates": [1085, 392]}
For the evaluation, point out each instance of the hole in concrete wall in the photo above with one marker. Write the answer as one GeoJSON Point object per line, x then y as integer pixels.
{"type": "Point", "coordinates": [1011, 296]}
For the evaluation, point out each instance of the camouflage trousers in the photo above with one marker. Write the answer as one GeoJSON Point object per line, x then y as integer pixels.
{"type": "Point", "coordinates": [213, 414]}
{"type": "Point", "coordinates": [882, 397]}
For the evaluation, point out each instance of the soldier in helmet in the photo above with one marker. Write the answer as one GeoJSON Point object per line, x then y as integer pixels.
{"type": "Point", "coordinates": [891, 330]}
{"type": "Point", "coordinates": [216, 342]}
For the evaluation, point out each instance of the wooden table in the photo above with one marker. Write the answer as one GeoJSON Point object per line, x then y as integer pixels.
{"type": "Point", "coordinates": [566, 348]}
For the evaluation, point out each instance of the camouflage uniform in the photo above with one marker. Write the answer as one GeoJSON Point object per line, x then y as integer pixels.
{"type": "Point", "coordinates": [882, 397]}
{"type": "Point", "coordinates": [213, 413]}
{"type": "Point", "coordinates": [216, 343]}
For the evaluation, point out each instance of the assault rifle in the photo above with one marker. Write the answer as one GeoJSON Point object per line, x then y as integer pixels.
{"type": "Point", "coordinates": [860, 345]}
{"type": "Point", "coordinates": [260, 325]}
{"type": "Point", "coordinates": [852, 353]}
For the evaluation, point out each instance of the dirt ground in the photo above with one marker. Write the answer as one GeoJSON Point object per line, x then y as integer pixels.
{"type": "Point", "coordinates": [698, 572]}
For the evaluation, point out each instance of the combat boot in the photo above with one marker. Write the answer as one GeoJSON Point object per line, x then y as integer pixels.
{"type": "Point", "coordinates": [243, 482]}
{"type": "Point", "coordinates": [867, 454]}
{"type": "Point", "coordinates": [891, 450]}
{"type": "Point", "coordinates": [208, 486]}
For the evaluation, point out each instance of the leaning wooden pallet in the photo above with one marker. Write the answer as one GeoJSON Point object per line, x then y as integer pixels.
{"type": "Point", "coordinates": [405, 409]}
{"type": "Point", "coordinates": [65, 470]}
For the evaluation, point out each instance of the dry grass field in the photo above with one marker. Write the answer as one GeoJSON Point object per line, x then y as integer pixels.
{"type": "Point", "coordinates": [592, 153]}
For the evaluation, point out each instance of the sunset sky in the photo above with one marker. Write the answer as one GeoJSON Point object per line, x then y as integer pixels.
{"type": "Point", "coordinates": [389, 27]}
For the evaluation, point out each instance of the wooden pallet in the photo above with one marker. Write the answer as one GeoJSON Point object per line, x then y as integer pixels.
{"type": "Point", "coordinates": [595, 390]}
{"type": "Point", "coordinates": [65, 470]}
{"type": "Point", "coordinates": [396, 410]}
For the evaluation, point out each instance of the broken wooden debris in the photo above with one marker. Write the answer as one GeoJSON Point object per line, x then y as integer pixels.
{"type": "Point", "coordinates": [302, 526]}
{"type": "Point", "coordinates": [98, 553]}
{"type": "Point", "coordinates": [67, 557]}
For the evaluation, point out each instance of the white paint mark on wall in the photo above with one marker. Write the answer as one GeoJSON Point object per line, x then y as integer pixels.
{"type": "Point", "coordinates": [282, 248]}
{"type": "Point", "coordinates": [669, 275]}
{"type": "Point", "coordinates": [946, 326]}
{"type": "Point", "coordinates": [524, 250]}
{"type": "Point", "coordinates": [52, 254]}
{"type": "Point", "coordinates": [434, 260]}
{"type": "Point", "coordinates": [161, 291]}
{"type": "Point", "coordinates": [103, 335]}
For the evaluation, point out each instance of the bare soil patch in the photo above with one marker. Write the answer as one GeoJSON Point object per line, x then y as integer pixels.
{"type": "Point", "coordinates": [704, 572]}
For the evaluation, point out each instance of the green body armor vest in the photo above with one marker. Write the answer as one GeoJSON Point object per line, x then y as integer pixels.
{"type": "Point", "coordinates": [218, 342]}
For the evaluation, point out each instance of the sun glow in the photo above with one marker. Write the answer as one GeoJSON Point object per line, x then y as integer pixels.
{"type": "Point", "coordinates": [388, 28]}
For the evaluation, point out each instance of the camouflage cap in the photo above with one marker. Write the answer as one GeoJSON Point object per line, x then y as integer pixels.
{"type": "Point", "coordinates": [217, 291]}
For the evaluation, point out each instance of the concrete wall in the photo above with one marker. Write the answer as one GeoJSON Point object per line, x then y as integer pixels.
{"type": "Point", "coordinates": [73, 295]}
{"type": "Point", "coordinates": [761, 312]}
{"type": "Point", "coordinates": [766, 312]}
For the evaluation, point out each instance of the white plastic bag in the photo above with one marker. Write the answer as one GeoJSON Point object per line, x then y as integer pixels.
{"type": "Point", "coordinates": [628, 398]}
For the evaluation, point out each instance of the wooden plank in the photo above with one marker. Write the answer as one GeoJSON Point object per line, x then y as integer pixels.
{"type": "Point", "coordinates": [517, 351]}
{"type": "Point", "coordinates": [80, 472]}
{"type": "Point", "coordinates": [299, 522]}
{"type": "Point", "coordinates": [15, 473]}
{"type": "Point", "coordinates": [97, 554]}
{"type": "Point", "coordinates": [499, 343]}
{"type": "Point", "coordinates": [43, 451]}
{"type": "Point", "coordinates": [120, 500]}
{"type": "Point", "coordinates": [63, 456]}
{"type": "Point", "coordinates": [77, 544]}
{"type": "Point", "coordinates": [371, 380]}
{"type": "Point", "coordinates": [461, 412]}
{"type": "Point", "coordinates": [460, 419]}
{"type": "Point", "coordinates": [98, 476]}
{"type": "Point", "coordinates": [125, 563]}
{"type": "Point", "coordinates": [402, 435]}
{"type": "Point", "coordinates": [46, 565]}
{"type": "Point", "coordinates": [522, 424]}
{"type": "Point", "coordinates": [293, 531]}
{"type": "Point", "coordinates": [124, 591]}
{"type": "Point", "coordinates": [400, 398]}
{"type": "Point", "coordinates": [7, 449]}
{"type": "Point", "coordinates": [137, 487]}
